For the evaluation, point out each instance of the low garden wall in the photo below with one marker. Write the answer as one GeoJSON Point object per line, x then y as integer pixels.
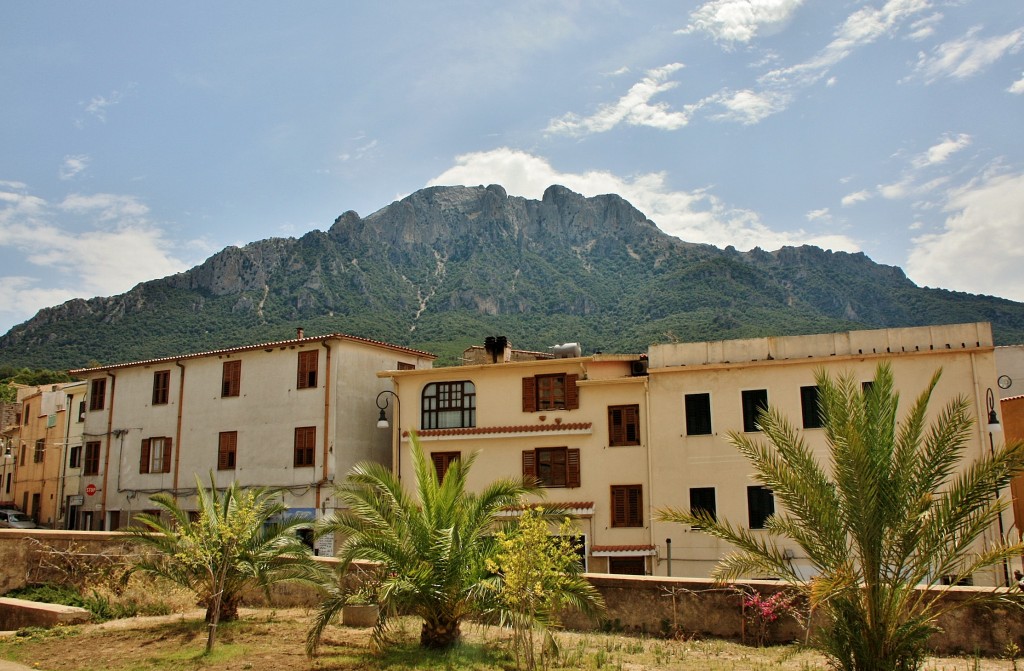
{"type": "Point", "coordinates": [641, 604]}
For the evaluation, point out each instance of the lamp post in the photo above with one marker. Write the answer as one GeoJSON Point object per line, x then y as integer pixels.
{"type": "Point", "coordinates": [382, 423]}
{"type": "Point", "coordinates": [993, 428]}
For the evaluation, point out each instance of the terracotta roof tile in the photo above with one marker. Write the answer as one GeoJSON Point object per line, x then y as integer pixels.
{"type": "Point", "coordinates": [621, 548]}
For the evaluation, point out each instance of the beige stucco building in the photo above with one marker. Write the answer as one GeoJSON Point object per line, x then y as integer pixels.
{"type": "Point", "coordinates": [34, 475]}
{"type": "Point", "coordinates": [290, 414]}
{"type": "Point", "coordinates": [613, 437]}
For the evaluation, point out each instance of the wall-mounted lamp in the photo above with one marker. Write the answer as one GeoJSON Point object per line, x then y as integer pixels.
{"type": "Point", "coordinates": [993, 428]}
{"type": "Point", "coordinates": [382, 423]}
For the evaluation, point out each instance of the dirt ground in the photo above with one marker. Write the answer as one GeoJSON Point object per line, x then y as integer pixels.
{"type": "Point", "coordinates": [273, 640]}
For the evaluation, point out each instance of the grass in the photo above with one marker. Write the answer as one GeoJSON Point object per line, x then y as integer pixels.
{"type": "Point", "coordinates": [267, 640]}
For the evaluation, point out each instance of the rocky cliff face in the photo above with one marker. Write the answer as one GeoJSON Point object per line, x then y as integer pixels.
{"type": "Point", "coordinates": [450, 263]}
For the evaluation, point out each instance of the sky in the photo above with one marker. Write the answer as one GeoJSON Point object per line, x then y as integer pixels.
{"type": "Point", "coordinates": [137, 139]}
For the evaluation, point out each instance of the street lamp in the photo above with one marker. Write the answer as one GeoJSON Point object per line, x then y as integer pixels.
{"type": "Point", "coordinates": [382, 423]}
{"type": "Point", "coordinates": [993, 428]}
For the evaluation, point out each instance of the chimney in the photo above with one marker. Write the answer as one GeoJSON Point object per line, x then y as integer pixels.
{"type": "Point", "coordinates": [299, 333]}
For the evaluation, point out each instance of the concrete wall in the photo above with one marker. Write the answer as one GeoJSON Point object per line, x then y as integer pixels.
{"type": "Point", "coordinates": [638, 604]}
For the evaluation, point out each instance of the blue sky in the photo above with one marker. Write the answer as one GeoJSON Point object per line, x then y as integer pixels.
{"type": "Point", "coordinates": [137, 139]}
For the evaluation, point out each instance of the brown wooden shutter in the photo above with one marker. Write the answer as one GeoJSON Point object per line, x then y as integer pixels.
{"type": "Point", "coordinates": [636, 506]}
{"type": "Point", "coordinates": [572, 394]}
{"type": "Point", "coordinates": [167, 455]}
{"type": "Point", "coordinates": [529, 394]}
{"type": "Point", "coordinates": [572, 467]}
{"type": "Point", "coordinates": [440, 460]}
{"type": "Point", "coordinates": [618, 507]}
{"type": "Point", "coordinates": [144, 457]}
{"type": "Point", "coordinates": [616, 428]}
{"type": "Point", "coordinates": [529, 464]}
{"type": "Point", "coordinates": [631, 418]}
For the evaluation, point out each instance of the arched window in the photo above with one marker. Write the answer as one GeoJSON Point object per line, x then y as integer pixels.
{"type": "Point", "coordinates": [448, 405]}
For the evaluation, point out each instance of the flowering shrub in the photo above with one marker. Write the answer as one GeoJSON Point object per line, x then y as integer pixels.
{"type": "Point", "coordinates": [760, 612]}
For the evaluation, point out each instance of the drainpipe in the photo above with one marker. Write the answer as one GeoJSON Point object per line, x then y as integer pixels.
{"type": "Point", "coordinates": [650, 476]}
{"type": "Point", "coordinates": [106, 458]}
{"type": "Point", "coordinates": [177, 429]}
{"type": "Point", "coordinates": [63, 460]}
{"type": "Point", "coordinates": [327, 419]}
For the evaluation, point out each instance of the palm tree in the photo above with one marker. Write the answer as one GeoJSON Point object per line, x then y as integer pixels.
{"type": "Point", "coordinates": [894, 509]}
{"type": "Point", "coordinates": [239, 538]}
{"type": "Point", "coordinates": [432, 549]}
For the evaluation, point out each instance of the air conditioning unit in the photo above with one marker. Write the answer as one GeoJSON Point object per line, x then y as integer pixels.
{"type": "Point", "coordinates": [638, 367]}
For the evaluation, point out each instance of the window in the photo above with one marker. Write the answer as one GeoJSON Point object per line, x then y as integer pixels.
{"type": "Point", "coordinates": [809, 407]}
{"type": "Point", "coordinates": [308, 361]}
{"type": "Point", "coordinates": [550, 392]}
{"type": "Point", "coordinates": [75, 457]}
{"type": "Point", "coordinates": [402, 365]}
{"type": "Point", "coordinates": [553, 466]}
{"type": "Point", "coordinates": [755, 401]}
{"type": "Point", "coordinates": [24, 451]}
{"type": "Point", "coordinates": [161, 386]}
{"type": "Point", "coordinates": [627, 506]}
{"type": "Point", "coordinates": [231, 379]}
{"type": "Point", "coordinates": [702, 499]}
{"type": "Point", "coordinates": [28, 410]}
{"type": "Point", "coordinates": [40, 451]}
{"type": "Point", "coordinates": [155, 455]}
{"type": "Point", "coordinates": [760, 506]}
{"type": "Point", "coordinates": [92, 458]}
{"type": "Point", "coordinates": [627, 565]}
{"type": "Point", "coordinates": [97, 393]}
{"type": "Point", "coordinates": [442, 460]}
{"type": "Point", "coordinates": [81, 411]}
{"type": "Point", "coordinates": [448, 405]}
{"type": "Point", "coordinates": [227, 446]}
{"type": "Point", "coordinates": [698, 414]}
{"type": "Point", "coordinates": [305, 446]}
{"type": "Point", "coordinates": [623, 425]}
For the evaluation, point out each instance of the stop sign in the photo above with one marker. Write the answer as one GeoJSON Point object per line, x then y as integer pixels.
{"type": "Point", "coordinates": [90, 489]}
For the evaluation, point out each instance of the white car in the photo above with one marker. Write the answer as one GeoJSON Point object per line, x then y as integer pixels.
{"type": "Point", "coordinates": [13, 519]}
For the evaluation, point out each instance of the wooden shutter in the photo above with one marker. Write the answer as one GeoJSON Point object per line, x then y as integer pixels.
{"type": "Point", "coordinates": [167, 455]}
{"type": "Point", "coordinates": [634, 507]}
{"type": "Point", "coordinates": [572, 467]}
{"type": "Point", "coordinates": [307, 369]}
{"type": "Point", "coordinates": [616, 426]}
{"type": "Point", "coordinates": [618, 507]}
{"type": "Point", "coordinates": [144, 457]}
{"type": "Point", "coordinates": [529, 394]}
{"type": "Point", "coordinates": [631, 420]}
{"type": "Point", "coordinates": [529, 464]}
{"type": "Point", "coordinates": [572, 394]}
{"type": "Point", "coordinates": [226, 453]}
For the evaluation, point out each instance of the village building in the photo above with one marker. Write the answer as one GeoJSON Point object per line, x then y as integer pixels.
{"type": "Point", "coordinates": [614, 437]}
{"type": "Point", "coordinates": [292, 414]}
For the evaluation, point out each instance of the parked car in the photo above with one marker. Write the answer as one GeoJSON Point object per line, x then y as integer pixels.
{"type": "Point", "coordinates": [14, 519]}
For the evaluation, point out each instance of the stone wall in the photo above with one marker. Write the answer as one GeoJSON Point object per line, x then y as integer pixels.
{"type": "Point", "coordinates": [641, 604]}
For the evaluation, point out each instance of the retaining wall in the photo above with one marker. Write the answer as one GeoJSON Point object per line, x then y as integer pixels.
{"type": "Point", "coordinates": [643, 604]}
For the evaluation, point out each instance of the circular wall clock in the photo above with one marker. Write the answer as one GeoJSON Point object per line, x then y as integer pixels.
{"type": "Point", "coordinates": [1004, 382]}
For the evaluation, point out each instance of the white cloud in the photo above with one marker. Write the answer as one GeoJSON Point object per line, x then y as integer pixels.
{"type": "Point", "coordinates": [854, 198]}
{"type": "Point", "coordinates": [941, 152]}
{"type": "Point", "coordinates": [98, 105]}
{"type": "Point", "coordinates": [822, 214]}
{"type": "Point", "coordinates": [90, 245]}
{"type": "Point", "coordinates": [694, 216]}
{"type": "Point", "coordinates": [740, 20]}
{"type": "Point", "coordinates": [1018, 86]}
{"type": "Point", "coordinates": [967, 56]}
{"type": "Point", "coordinates": [924, 28]}
{"type": "Point", "coordinates": [748, 107]}
{"type": "Point", "coordinates": [72, 166]}
{"type": "Point", "coordinates": [978, 235]}
{"type": "Point", "coordinates": [634, 108]}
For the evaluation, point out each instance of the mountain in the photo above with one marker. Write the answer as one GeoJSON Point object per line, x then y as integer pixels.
{"type": "Point", "coordinates": [447, 266]}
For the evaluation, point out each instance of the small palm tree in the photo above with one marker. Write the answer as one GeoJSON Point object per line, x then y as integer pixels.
{"type": "Point", "coordinates": [432, 549]}
{"type": "Point", "coordinates": [892, 510]}
{"type": "Point", "coordinates": [238, 539]}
